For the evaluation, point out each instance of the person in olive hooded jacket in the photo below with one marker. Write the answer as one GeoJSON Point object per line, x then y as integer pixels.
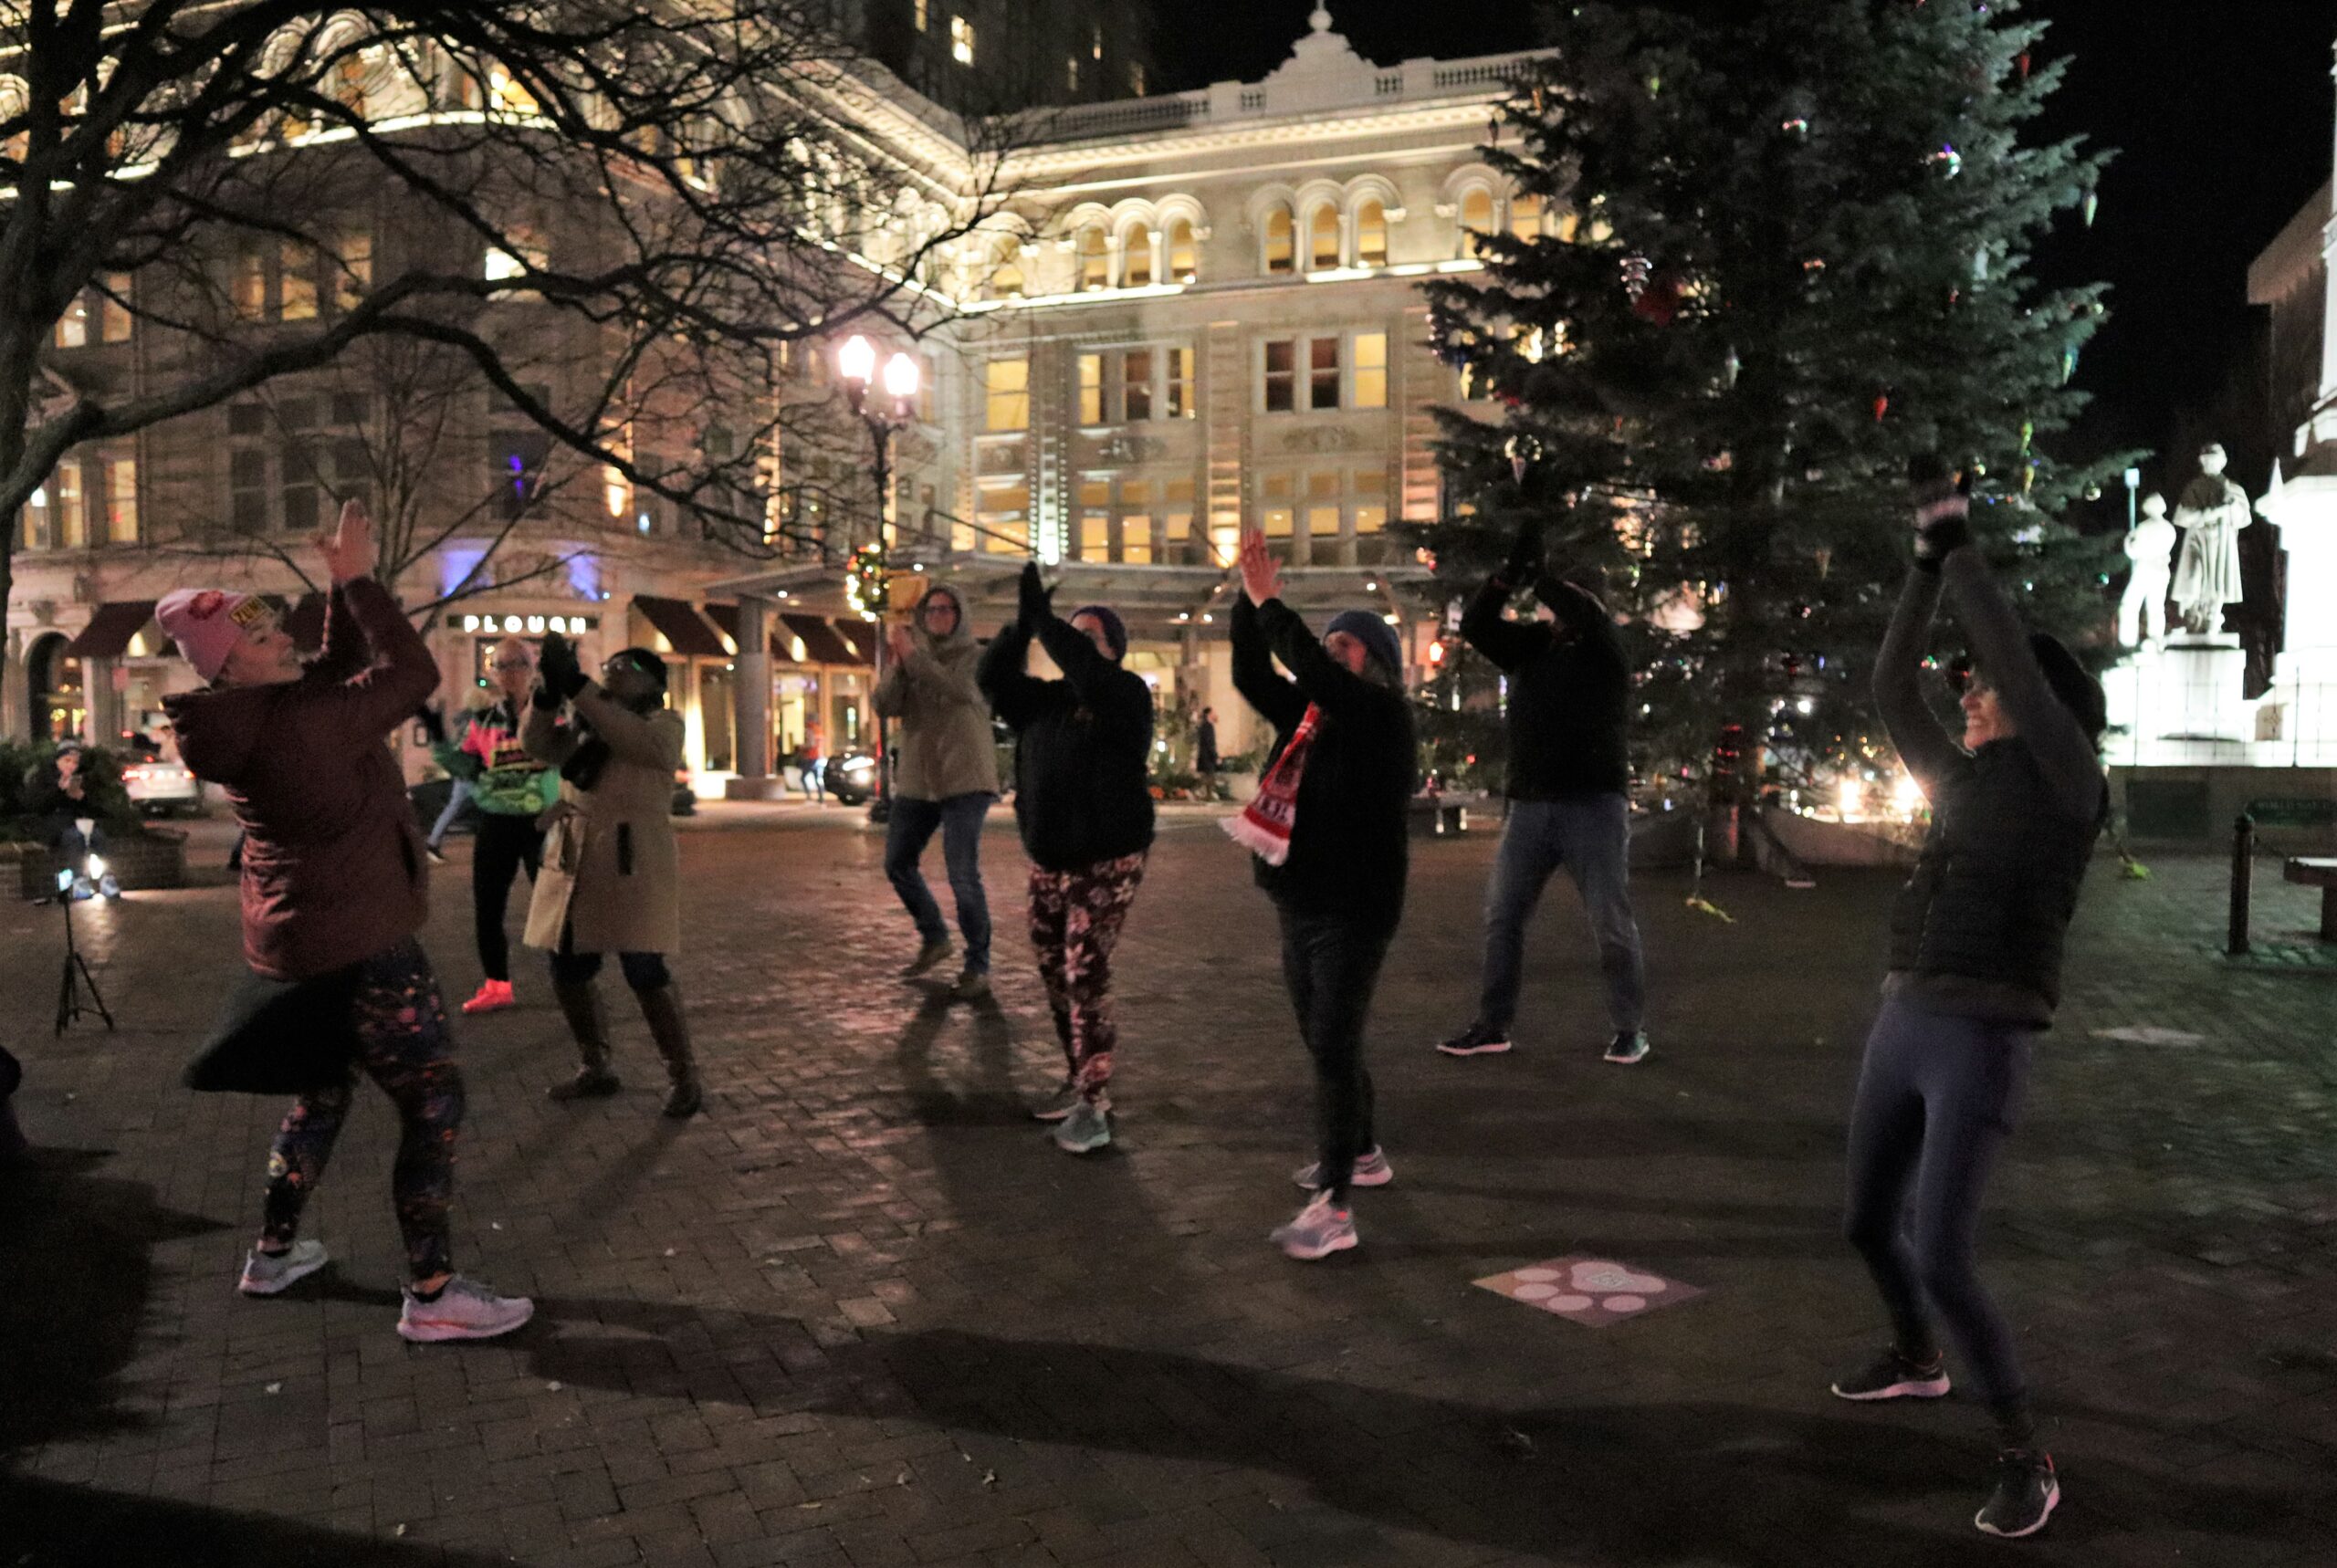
{"type": "Point", "coordinates": [945, 775]}
{"type": "Point", "coordinates": [1083, 801]}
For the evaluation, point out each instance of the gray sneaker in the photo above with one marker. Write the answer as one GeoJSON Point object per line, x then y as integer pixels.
{"type": "Point", "coordinates": [1064, 1100]}
{"type": "Point", "coordinates": [265, 1273]}
{"type": "Point", "coordinates": [464, 1310]}
{"type": "Point", "coordinates": [1085, 1130]}
{"type": "Point", "coordinates": [1371, 1170]}
{"type": "Point", "coordinates": [1321, 1228]}
{"type": "Point", "coordinates": [929, 955]}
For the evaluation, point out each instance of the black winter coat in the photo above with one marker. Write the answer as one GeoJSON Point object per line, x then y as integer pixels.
{"type": "Point", "coordinates": [1569, 691]}
{"type": "Point", "coordinates": [1084, 744]}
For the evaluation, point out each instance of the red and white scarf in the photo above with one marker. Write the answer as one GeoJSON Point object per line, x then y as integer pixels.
{"type": "Point", "coordinates": [1265, 824]}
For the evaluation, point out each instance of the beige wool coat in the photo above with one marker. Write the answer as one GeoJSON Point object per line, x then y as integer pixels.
{"type": "Point", "coordinates": [943, 746]}
{"type": "Point", "coordinates": [612, 869]}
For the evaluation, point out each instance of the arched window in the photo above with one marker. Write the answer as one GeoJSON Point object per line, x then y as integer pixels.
{"type": "Point", "coordinates": [1006, 283]}
{"type": "Point", "coordinates": [1322, 239]}
{"type": "Point", "coordinates": [1136, 265]}
{"type": "Point", "coordinates": [351, 74]}
{"type": "Point", "coordinates": [1370, 234]}
{"type": "Point", "coordinates": [1526, 216]}
{"type": "Point", "coordinates": [1282, 242]}
{"type": "Point", "coordinates": [1476, 218]}
{"type": "Point", "coordinates": [1095, 259]}
{"type": "Point", "coordinates": [1184, 256]}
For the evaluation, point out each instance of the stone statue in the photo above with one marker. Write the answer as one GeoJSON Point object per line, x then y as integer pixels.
{"type": "Point", "coordinates": [2150, 545]}
{"type": "Point", "coordinates": [2211, 514]}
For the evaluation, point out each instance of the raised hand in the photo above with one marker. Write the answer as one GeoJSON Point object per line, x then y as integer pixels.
{"type": "Point", "coordinates": [896, 638]}
{"type": "Point", "coordinates": [347, 549]}
{"type": "Point", "coordinates": [1261, 573]}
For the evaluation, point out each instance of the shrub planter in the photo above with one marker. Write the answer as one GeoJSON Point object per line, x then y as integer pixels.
{"type": "Point", "coordinates": [147, 858]}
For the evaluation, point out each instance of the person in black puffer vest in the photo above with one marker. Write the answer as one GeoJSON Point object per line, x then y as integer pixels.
{"type": "Point", "coordinates": [1084, 803]}
{"type": "Point", "coordinates": [1331, 853]}
{"type": "Point", "coordinates": [1976, 961]}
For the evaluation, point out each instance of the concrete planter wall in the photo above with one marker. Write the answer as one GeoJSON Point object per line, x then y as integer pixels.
{"type": "Point", "coordinates": [154, 857]}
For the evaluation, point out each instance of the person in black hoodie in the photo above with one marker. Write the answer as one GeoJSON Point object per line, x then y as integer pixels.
{"type": "Point", "coordinates": [1330, 850]}
{"type": "Point", "coordinates": [1085, 806]}
{"type": "Point", "coordinates": [1976, 970]}
{"type": "Point", "coordinates": [1569, 687]}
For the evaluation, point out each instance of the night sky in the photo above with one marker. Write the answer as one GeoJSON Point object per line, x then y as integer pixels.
{"type": "Point", "coordinates": [2221, 114]}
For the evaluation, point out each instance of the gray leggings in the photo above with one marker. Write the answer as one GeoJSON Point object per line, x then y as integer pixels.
{"type": "Point", "coordinates": [1936, 1098]}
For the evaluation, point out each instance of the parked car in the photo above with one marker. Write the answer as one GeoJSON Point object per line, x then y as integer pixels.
{"type": "Point", "coordinates": [852, 779]}
{"type": "Point", "coordinates": [159, 784]}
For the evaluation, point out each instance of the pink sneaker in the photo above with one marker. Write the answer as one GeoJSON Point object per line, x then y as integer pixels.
{"type": "Point", "coordinates": [493, 995]}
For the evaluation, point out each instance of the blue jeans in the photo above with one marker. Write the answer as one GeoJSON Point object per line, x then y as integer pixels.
{"type": "Point", "coordinates": [1592, 838]}
{"type": "Point", "coordinates": [959, 817]}
{"type": "Point", "coordinates": [457, 798]}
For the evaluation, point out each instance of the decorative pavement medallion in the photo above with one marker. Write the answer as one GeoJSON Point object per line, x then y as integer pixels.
{"type": "Point", "coordinates": [1593, 1292]}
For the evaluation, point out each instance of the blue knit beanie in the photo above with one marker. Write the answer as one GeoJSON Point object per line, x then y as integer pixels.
{"type": "Point", "coordinates": [1116, 632]}
{"type": "Point", "coordinates": [1375, 635]}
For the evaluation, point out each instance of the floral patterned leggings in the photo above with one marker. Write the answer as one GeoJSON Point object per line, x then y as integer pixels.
{"type": "Point", "coordinates": [1075, 920]}
{"type": "Point", "coordinates": [404, 1045]}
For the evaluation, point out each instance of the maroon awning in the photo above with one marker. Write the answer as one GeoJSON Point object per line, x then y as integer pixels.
{"type": "Point", "coordinates": [821, 643]}
{"type": "Point", "coordinates": [859, 636]}
{"type": "Point", "coordinates": [680, 625]}
{"type": "Point", "coordinates": [109, 633]}
{"type": "Point", "coordinates": [726, 621]}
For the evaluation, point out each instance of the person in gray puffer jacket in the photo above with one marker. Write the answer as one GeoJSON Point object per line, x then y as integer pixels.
{"type": "Point", "coordinates": [945, 777]}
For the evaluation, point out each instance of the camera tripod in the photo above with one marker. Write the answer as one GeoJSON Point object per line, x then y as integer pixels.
{"type": "Point", "coordinates": [75, 977]}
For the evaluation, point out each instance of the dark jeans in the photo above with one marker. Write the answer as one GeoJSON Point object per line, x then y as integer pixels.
{"type": "Point", "coordinates": [960, 819]}
{"type": "Point", "coordinates": [1938, 1097]}
{"type": "Point", "coordinates": [1331, 965]}
{"type": "Point", "coordinates": [505, 844]}
{"type": "Point", "coordinates": [404, 1045]}
{"type": "Point", "coordinates": [1592, 838]}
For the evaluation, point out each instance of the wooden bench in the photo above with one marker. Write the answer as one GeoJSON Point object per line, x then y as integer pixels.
{"type": "Point", "coordinates": [2311, 872]}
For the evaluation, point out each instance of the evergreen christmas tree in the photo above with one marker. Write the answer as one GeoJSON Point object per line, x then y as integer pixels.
{"type": "Point", "coordinates": [1776, 258]}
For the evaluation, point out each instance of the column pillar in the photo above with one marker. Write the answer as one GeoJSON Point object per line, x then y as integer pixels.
{"type": "Point", "coordinates": [750, 707]}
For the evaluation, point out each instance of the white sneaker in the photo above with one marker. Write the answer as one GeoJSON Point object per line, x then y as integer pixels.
{"type": "Point", "coordinates": [1321, 1228]}
{"type": "Point", "coordinates": [265, 1273]}
{"type": "Point", "coordinates": [1371, 1170]}
{"type": "Point", "coordinates": [464, 1310]}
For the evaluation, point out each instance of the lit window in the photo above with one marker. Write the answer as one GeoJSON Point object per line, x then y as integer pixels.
{"type": "Point", "coordinates": [1006, 283]}
{"type": "Point", "coordinates": [73, 327]}
{"type": "Point", "coordinates": [1136, 539]}
{"type": "Point", "coordinates": [1281, 376]}
{"type": "Point", "coordinates": [1135, 384]}
{"type": "Point", "coordinates": [1095, 259]}
{"type": "Point", "coordinates": [1003, 515]}
{"type": "Point", "coordinates": [1324, 367]}
{"type": "Point", "coordinates": [353, 269]}
{"type": "Point", "coordinates": [1091, 389]}
{"type": "Point", "coordinates": [1184, 258]}
{"type": "Point", "coordinates": [121, 500]}
{"type": "Point", "coordinates": [297, 281]}
{"type": "Point", "coordinates": [1099, 48]}
{"type": "Point", "coordinates": [1476, 217]}
{"type": "Point", "coordinates": [1371, 234]}
{"type": "Point", "coordinates": [508, 93]}
{"type": "Point", "coordinates": [1181, 384]}
{"type": "Point", "coordinates": [113, 309]}
{"type": "Point", "coordinates": [349, 79]}
{"type": "Point", "coordinates": [1324, 250]}
{"type": "Point", "coordinates": [1282, 242]}
{"type": "Point", "coordinates": [923, 15]}
{"type": "Point", "coordinates": [1138, 252]}
{"type": "Point", "coordinates": [1371, 370]}
{"type": "Point", "coordinates": [72, 510]}
{"type": "Point", "coordinates": [247, 285]}
{"type": "Point", "coordinates": [961, 40]}
{"type": "Point", "coordinates": [1094, 541]}
{"type": "Point", "coordinates": [1007, 383]}
{"type": "Point", "coordinates": [1526, 216]}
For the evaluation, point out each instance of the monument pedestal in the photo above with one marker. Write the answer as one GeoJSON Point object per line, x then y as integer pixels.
{"type": "Point", "coordinates": [2179, 703]}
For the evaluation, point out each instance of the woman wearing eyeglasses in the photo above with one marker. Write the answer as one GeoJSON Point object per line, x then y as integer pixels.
{"type": "Point", "coordinates": [1975, 973]}
{"type": "Point", "coordinates": [611, 881]}
{"type": "Point", "coordinates": [511, 790]}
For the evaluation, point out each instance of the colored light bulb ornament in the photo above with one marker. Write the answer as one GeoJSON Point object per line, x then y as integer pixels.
{"type": "Point", "coordinates": [1732, 366]}
{"type": "Point", "coordinates": [1882, 406]}
{"type": "Point", "coordinates": [1635, 274]}
{"type": "Point", "coordinates": [1949, 159]}
{"type": "Point", "coordinates": [864, 581]}
{"type": "Point", "coordinates": [2027, 434]}
{"type": "Point", "coordinates": [2092, 206]}
{"type": "Point", "coordinates": [2068, 364]}
{"type": "Point", "coordinates": [1796, 127]}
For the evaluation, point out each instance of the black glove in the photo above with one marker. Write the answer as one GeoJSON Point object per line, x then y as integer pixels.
{"type": "Point", "coordinates": [434, 723]}
{"type": "Point", "coordinates": [1524, 559]}
{"type": "Point", "coordinates": [1943, 513]}
{"type": "Point", "coordinates": [561, 675]}
{"type": "Point", "coordinates": [1036, 601]}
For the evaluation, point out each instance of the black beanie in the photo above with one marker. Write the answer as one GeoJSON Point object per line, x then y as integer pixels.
{"type": "Point", "coordinates": [2079, 691]}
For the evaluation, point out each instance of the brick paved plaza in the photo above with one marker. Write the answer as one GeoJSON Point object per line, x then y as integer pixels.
{"type": "Point", "coordinates": [863, 1313]}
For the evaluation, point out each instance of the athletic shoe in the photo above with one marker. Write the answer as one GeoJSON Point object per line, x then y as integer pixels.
{"type": "Point", "coordinates": [929, 955]}
{"type": "Point", "coordinates": [1371, 1170]}
{"type": "Point", "coordinates": [437, 856]}
{"type": "Point", "coordinates": [970, 986]}
{"type": "Point", "coordinates": [493, 997]}
{"type": "Point", "coordinates": [1085, 1130]}
{"type": "Point", "coordinates": [1321, 1228]}
{"type": "Point", "coordinates": [464, 1310]}
{"type": "Point", "coordinates": [1626, 1048]}
{"type": "Point", "coordinates": [2027, 1491]}
{"type": "Point", "coordinates": [1477, 1039]}
{"type": "Point", "coordinates": [590, 1083]}
{"type": "Point", "coordinates": [1892, 1375]}
{"type": "Point", "coordinates": [1066, 1100]}
{"type": "Point", "coordinates": [265, 1273]}
{"type": "Point", "coordinates": [684, 1099]}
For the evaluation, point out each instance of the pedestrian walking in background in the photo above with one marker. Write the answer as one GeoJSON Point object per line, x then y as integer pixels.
{"type": "Point", "coordinates": [812, 766]}
{"type": "Point", "coordinates": [1569, 690]}
{"type": "Point", "coordinates": [1976, 938]}
{"type": "Point", "coordinates": [1327, 832]}
{"type": "Point", "coordinates": [611, 879]}
{"type": "Point", "coordinates": [334, 887]}
{"type": "Point", "coordinates": [1084, 803]}
{"type": "Point", "coordinates": [1205, 752]}
{"type": "Point", "coordinates": [944, 778]}
{"type": "Point", "coordinates": [459, 790]}
{"type": "Point", "coordinates": [511, 790]}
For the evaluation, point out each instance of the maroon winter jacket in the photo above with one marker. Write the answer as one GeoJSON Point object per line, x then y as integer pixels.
{"type": "Point", "coordinates": [334, 867]}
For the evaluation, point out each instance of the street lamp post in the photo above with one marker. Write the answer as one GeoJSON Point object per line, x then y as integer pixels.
{"type": "Point", "coordinates": [856, 362]}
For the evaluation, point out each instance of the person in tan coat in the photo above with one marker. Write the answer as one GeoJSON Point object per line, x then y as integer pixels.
{"type": "Point", "coordinates": [611, 880]}
{"type": "Point", "coordinates": [944, 778]}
